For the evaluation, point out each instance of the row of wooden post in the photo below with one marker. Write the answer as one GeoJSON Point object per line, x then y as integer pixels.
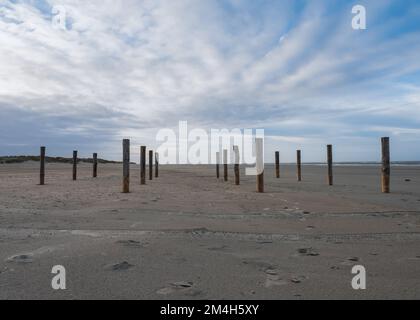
{"type": "Point", "coordinates": [225, 165]}
{"type": "Point", "coordinates": [126, 165]}
{"type": "Point", "coordinates": [385, 176]}
{"type": "Point", "coordinates": [74, 162]}
{"type": "Point", "coordinates": [260, 175]}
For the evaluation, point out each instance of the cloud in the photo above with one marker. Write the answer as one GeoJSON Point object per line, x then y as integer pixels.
{"type": "Point", "coordinates": [129, 68]}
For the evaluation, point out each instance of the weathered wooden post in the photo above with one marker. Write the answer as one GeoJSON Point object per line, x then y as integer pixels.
{"type": "Point", "coordinates": [299, 165]}
{"type": "Point", "coordinates": [330, 164]}
{"type": "Point", "coordinates": [218, 165]}
{"type": "Point", "coordinates": [95, 165]}
{"type": "Point", "coordinates": [126, 166]}
{"type": "Point", "coordinates": [237, 164]}
{"type": "Point", "coordinates": [259, 150]}
{"type": "Point", "coordinates": [142, 165]}
{"type": "Point", "coordinates": [386, 165]}
{"type": "Point", "coordinates": [277, 164]}
{"type": "Point", "coordinates": [42, 167]}
{"type": "Point", "coordinates": [225, 165]}
{"type": "Point", "coordinates": [151, 165]}
{"type": "Point", "coordinates": [156, 165]}
{"type": "Point", "coordinates": [74, 165]}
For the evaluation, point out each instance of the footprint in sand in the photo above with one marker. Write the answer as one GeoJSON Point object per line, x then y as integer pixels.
{"type": "Point", "coordinates": [28, 257]}
{"type": "Point", "coordinates": [350, 261]}
{"type": "Point", "coordinates": [22, 258]}
{"type": "Point", "coordinates": [131, 243]}
{"type": "Point", "coordinates": [309, 252]}
{"type": "Point", "coordinates": [176, 287]}
{"type": "Point", "coordinates": [123, 266]}
{"type": "Point", "coordinates": [273, 279]}
{"type": "Point", "coordinates": [354, 259]}
{"type": "Point", "coordinates": [272, 272]}
{"type": "Point", "coordinates": [298, 279]}
{"type": "Point", "coordinates": [262, 265]}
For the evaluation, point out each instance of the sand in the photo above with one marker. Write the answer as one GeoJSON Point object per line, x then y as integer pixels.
{"type": "Point", "coordinates": [188, 236]}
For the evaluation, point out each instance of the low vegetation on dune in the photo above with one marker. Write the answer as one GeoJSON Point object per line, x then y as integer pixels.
{"type": "Point", "coordinates": [21, 159]}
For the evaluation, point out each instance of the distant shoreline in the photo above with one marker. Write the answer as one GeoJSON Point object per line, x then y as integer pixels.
{"type": "Point", "coordinates": [23, 159]}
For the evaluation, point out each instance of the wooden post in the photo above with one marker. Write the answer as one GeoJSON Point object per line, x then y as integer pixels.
{"type": "Point", "coordinates": [299, 165]}
{"type": "Point", "coordinates": [95, 165]}
{"type": "Point", "coordinates": [225, 165]}
{"type": "Point", "coordinates": [237, 164]}
{"type": "Point", "coordinates": [259, 150]}
{"type": "Point", "coordinates": [386, 165]}
{"type": "Point", "coordinates": [156, 165]}
{"type": "Point", "coordinates": [126, 166]}
{"type": "Point", "coordinates": [42, 167]}
{"type": "Point", "coordinates": [151, 165]}
{"type": "Point", "coordinates": [143, 165]}
{"type": "Point", "coordinates": [277, 164]}
{"type": "Point", "coordinates": [74, 165]}
{"type": "Point", "coordinates": [330, 164]}
{"type": "Point", "coordinates": [218, 165]}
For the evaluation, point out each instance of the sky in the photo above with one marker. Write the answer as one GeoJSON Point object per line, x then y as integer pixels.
{"type": "Point", "coordinates": [127, 69]}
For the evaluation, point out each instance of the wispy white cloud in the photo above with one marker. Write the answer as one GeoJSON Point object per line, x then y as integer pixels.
{"type": "Point", "coordinates": [128, 68]}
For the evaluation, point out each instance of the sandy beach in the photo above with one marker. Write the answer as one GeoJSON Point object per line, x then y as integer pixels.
{"type": "Point", "coordinates": [187, 235]}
